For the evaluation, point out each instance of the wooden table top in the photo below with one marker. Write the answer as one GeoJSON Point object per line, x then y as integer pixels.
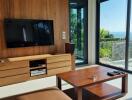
{"type": "Point", "coordinates": [84, 77]}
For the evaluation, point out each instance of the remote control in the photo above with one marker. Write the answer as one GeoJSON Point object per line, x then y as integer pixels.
{"type": "Point", "coordinates": [110, 73]}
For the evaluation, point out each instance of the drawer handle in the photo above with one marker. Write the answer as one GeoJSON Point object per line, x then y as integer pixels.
{"type": "Point", "coordinates": [2, 61]}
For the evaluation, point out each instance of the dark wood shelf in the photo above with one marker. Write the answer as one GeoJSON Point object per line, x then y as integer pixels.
{"type": "Point", "coordinates": [103, 91]}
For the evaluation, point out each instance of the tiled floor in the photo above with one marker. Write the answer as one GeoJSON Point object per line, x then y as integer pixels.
{"type": "Point", "coordinates": [48, 82]}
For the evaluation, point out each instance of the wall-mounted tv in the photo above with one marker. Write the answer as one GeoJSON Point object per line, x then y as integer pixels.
{"type": "Point", "coordinates": [28, 32]}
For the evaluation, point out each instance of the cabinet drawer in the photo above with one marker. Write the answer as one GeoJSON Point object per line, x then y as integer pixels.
{"type": "Point", "coordinates": [11, 65]}
{"type": "Point", "coordinates": [13, 72]}
{"type": "Point", "coordinates": [58, 58]}
{"type": "Point", "coordinates": [58, 64]}
{"type": "Point", "coordinates": [13, 79]}
{"type": "Point", "coordinates": [58, 70]}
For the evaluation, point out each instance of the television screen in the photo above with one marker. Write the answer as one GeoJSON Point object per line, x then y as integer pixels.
{"type": "Point", "coordinates": [27, 32]}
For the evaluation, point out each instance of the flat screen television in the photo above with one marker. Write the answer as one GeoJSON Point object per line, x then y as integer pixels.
{"type": "Point", "coordinates": [28, 32]}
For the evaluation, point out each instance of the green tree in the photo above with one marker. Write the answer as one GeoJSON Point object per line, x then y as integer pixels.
{"type": "Point", "coordinates": [105, 34]}
{"type": "Point", "coordinates": [73, 27]}
{"type": "Point", "coordinates": [105, 46]}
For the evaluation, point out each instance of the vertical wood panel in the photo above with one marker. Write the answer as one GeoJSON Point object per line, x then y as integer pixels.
{"type": "Point", "coordinates": [51, 15]}
{"type": "Point", "coordinates": [59, 21]}
{"type": "Point", "coordinates": [62, 19]}
{"type": "Point", "coordinates": [56, 10]}
{"type": "Point", "coordinates": [65, 19]}
{"type": "Point", "coordinates": [1, 17]}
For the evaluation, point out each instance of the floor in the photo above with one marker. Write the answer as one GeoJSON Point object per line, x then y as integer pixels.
{"type": "Point", "coordinates": [48, 82]}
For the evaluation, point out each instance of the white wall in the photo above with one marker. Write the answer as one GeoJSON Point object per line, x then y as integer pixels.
{"type": "Point", "coordinates": [91, 31]}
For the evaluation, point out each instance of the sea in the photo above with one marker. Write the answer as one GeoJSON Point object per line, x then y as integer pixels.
{"type": "Point", "coordinates": [121, 35]}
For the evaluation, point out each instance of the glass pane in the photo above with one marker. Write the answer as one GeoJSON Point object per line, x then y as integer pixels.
{"type": "Point", "coordinates": [113, 32]}
{"type": "Point", "coordinates": [130, 44]}
{"type": "Point", "coordinates": [77, 29]}
{"type": "Point", "coordinates": [77, 33]}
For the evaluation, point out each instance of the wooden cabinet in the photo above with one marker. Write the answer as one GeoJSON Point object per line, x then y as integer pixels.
{"type": "Point", "coordinates": [58, 58]}
{"type": "Point", "coordinates": [6, 65]}
{"type": "Point", "coordinates": [14, 79]}
{"type": "Point", "coordinates": [13, 72]}
{"type": "Point", "coordinates": [19, 69]}
{"type": "Point", "coordinates": [58, 70]}
{"type": "Point", "coordinates": [58, 64]}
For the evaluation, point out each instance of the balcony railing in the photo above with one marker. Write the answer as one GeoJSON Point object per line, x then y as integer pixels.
{"type": "Point", "coordinates": [112, 51]}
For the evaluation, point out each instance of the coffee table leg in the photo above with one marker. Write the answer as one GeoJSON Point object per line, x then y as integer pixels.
{"type": "Point", "coordinates": [58, 83]}
{"type": "Point", "coordinates": [125, 84]}
{"type": "Point", "coordinates": [78, 93]}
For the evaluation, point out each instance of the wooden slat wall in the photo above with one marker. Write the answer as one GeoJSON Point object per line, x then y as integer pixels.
{"type": "Point", "coordinates": [56, 10]}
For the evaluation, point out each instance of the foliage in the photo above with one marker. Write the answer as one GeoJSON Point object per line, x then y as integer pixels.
{"type": "Point", "coordinates": [111, 39]}
{"type": "Point", "coordinates": [104, 52]}
{"type": "Point", "coordinates": [73, 23]}
{"type": "Point", "coordinates": [105, 34]}
{"type": "Point", "coordinates": [105, 43]}
{"type": "Point", "coordinates": [73, 27]}
{"type": "Point", "coordinates": [106, 49]}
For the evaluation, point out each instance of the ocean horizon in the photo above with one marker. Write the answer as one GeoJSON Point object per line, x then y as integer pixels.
{"type": "Point", "coordinates": [120, 35]}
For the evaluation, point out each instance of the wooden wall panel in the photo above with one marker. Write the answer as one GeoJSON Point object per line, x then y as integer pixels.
{"type": "Point", "coordinates": [62, 19]}
{"type": "Point", "coordinates": [56, 10]}
{"type": "Point", "coordinates": [1, 25]}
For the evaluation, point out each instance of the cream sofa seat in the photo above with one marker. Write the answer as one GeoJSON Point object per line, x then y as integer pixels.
{"type": "Point", "coordinates": [46, 94]}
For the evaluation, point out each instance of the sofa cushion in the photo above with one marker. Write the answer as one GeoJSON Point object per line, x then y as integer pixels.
{"type": "Point", "coordinates": [46, 94]}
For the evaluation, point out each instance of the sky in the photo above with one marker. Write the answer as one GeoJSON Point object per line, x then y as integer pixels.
{"type": "Point", "coordinates": [113, 15]}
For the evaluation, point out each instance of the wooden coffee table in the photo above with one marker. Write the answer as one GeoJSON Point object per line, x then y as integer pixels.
{"type": "Point", "coordinates": [90, 76]}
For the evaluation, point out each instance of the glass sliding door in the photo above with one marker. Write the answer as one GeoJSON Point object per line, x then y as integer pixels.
{"type": "Point", "coordinates": [112, 35]}
{"type": "Point", "coordinates": [78, 29]}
